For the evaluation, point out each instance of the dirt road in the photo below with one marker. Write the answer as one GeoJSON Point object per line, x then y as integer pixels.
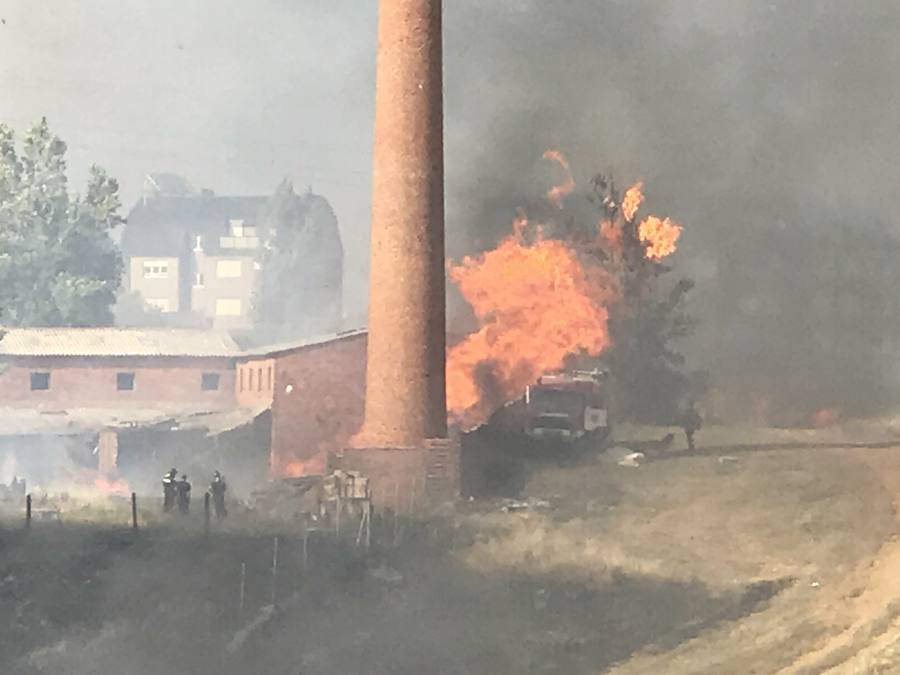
{"type": "Point", "coordinates": [820, 513]}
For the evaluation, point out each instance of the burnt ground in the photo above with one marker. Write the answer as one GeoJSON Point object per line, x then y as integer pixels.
{"type": "Point", "coordinates": [81, 600]}
{"type": "Point", "coordinates": [684, 564]}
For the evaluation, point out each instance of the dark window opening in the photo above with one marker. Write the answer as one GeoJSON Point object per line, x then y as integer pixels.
{"type": "Point", "coordinates": [40, 381]}
{"type": "Point", "coordinates": [250, 379]}
{"type": "Point", "coordinates": [125, 381]}
{"type": "Point", "coordinates": [270, 379]}
{"type": "Point", "coordinates": [210, 382]}
{"type": "Point", "coordinates": [241, 378]}
{"type": "Point", "coordinates": [259, 379]}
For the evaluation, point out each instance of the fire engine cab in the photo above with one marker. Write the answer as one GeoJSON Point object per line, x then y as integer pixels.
{"type": "Point", "coordinates": [568, 407]}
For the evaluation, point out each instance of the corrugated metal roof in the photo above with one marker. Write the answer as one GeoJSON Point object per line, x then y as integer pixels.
{"type": "Point", "coordinates": [74, 421]}
{"type": "Point", "coordinates": [116, 342]}
{"type": "Point", "coordinates": [280, 348]}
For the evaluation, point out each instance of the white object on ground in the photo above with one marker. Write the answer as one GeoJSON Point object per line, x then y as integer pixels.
{"type": "Point", "coordinates": [632, 459]}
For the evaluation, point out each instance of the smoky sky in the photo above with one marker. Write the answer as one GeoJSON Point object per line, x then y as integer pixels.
{"type": "Point", "coordinates": [740, 116]}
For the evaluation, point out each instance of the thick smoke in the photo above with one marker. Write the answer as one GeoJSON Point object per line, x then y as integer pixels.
{"type": "Point", "coordinates": [768, 129]}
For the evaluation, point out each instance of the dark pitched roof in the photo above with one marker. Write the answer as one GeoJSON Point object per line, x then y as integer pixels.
{"type": "Point", "coordinates": [167, 225]}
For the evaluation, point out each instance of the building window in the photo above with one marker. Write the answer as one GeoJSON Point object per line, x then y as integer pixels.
{"type": "Point", "coordinates": [259, 379]}
{"type": "Point", "coordinates": [228, 307]}
{"type": "Point", "coordinates": [198, 280]}
{"type": "Point", "coordinates": [270, 379]}
{"type": "Point", "coordinates": [162, 304]}
{"type": "Point", "coordinates": [156, 269]}
{"type": "Point", "coordinates": [40, 381]}
{"type": "Point", "coordinates": [241, 378]}
{"type": "Point", "coordinates": [125, 381]}
{"type": "Point", "coordinates": [229, 269]}
{"type": "Point", "coordinates": [250, 379]}
{"type": "Point", "coordinates": [209, 382]}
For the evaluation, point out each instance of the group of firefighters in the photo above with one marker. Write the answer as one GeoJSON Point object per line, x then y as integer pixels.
{"type": "Point", "coordinates": [178, 491]}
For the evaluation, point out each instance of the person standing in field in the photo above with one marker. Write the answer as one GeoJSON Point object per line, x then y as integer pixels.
{"type": "Point", "coordinates": [170, 490]}
{"type": "Point", "coordinates": [184, 494]}
{"type": "Point", "coordinates": [691, 423]}
{"type": "Point", "coordinates": [217, 489]}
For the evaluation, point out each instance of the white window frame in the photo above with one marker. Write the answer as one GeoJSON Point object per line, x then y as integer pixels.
{"type": "Point", "coordinates": [156, 269]}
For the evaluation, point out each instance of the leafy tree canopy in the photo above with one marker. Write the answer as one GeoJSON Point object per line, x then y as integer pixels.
{"type": "Point", "coordinates": [58, 263]}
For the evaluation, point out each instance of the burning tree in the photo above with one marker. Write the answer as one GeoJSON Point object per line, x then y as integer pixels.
{"type": "Point", "coordinates": [647, 316]}
{"type": "Point", "coordinates": [542, 303]}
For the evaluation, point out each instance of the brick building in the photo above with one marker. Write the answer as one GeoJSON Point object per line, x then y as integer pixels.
{"type": "Point", "coordinates": [122, 399]}
{"type": "Point", "coordinates": [137, 401]}
{"type": "Point", "coordinates": [316, 390]}
{"type": "Point", "coordinates": [59, 368]}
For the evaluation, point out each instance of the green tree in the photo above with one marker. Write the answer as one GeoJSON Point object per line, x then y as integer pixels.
{"type": "Point", "coordinates": [299, 287]}
{"type": "Point", "coordinates": [58, 262]}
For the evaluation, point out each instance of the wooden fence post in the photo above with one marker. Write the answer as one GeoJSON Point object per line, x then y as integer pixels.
{"type": "Point", "coordinates": [241, 592]}
{"type": "Point", "coordinates": [274, 570]}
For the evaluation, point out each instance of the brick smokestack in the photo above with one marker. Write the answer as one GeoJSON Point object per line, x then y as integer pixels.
{"type": "Point", "coordinates": [405, 378]}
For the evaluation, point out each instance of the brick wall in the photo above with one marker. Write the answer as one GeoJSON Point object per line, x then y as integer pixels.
{"type": "Point", "coordinates": [319, 395]}
{"type": "Point", "coordinates": [86, 383]}
{"type": "Point", "coordinates": [254, 382]}
{"type": "Point", "coordinates": [397, 477]}
{"type": "Point", "coordinates": [408, 479]}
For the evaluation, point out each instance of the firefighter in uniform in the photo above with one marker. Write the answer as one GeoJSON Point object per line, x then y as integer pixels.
{"type": "Point", "coordinates": [184, 494]}
{"type": "Point", "coordinates": [169, 489]}
{"type": "Point", "coordinates": [217, 490]}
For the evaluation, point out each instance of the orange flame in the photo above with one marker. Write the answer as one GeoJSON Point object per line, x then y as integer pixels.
{"type": "Point", "coordinates": [660, 237]}
{"type": "Point", "coordinates": [538, 303]}
{"type": "Point", "coordinates": [535, 304]}
{"type": "Point", "coordinates": [294, 468]}
{"type": "Point", "coordinates": [112, 486]}
{"type": "Point", "coordinates": [632, 200]}
{"type": "Point", "coordinates": [558, 192]}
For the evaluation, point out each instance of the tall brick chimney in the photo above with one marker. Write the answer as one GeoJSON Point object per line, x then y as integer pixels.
{"type": "Point", "coordinates": [405, 378]}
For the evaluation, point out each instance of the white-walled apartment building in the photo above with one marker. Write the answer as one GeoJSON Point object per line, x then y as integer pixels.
{"type": "Point", "coordinates": [191, 252]}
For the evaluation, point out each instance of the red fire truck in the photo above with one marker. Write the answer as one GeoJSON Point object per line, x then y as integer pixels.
{"type": "Point", "coordinates": [561, 413]}
{"type": "Point", "coordinates": [568, 407]}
